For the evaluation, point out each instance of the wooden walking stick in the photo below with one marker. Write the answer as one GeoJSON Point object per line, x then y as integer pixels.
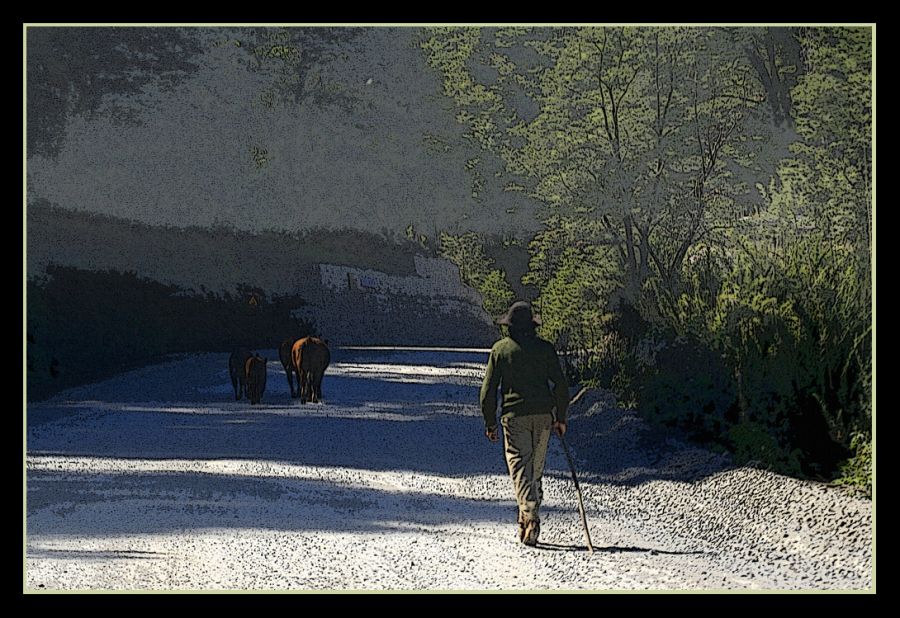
{"type": "Point", "coordinates": [587, 534]}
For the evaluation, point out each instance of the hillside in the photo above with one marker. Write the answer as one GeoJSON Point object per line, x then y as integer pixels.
{"type": "Point", "coordinates": [352, 131]}
{"type": "Point", "coordinates": [104, 294]}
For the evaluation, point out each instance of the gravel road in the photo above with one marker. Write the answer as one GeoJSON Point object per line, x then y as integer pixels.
{"type": "Point", "coordinates": [158, 479]}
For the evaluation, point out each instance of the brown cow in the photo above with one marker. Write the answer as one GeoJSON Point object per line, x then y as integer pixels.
{"type": "Point", "coordinates": [255, 370]}
{"type": "Point", "coordinates": [311, 358]}
{"type": "Point", "coordinates": [237, 372]}
{"type": "Point", "coordinates": [284, 354]}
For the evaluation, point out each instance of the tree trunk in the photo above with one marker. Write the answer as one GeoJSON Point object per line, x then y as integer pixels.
{"type": "Point", "coordinates": [632, 276]}
{"type": "Point", "coordinates": [742, 399]}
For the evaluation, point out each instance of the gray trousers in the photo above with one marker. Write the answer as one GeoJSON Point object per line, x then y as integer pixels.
{"type": "Point", "coordinates": [525, 440]}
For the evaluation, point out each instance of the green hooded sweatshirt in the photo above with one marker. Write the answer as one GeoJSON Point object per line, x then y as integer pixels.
{"type": "Point", "coordinates": [523, 369]}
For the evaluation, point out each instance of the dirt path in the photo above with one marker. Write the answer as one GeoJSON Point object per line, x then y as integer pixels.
{"type": "Point", "coordinates": [158, 479]}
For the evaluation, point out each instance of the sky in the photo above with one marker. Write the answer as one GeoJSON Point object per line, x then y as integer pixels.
{"type": "Point", "coordinates": [260, 129]}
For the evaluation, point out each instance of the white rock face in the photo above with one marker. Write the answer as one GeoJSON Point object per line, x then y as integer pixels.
{"type": "Point", "coordinates": [435, 277]}
{"type": "Point", "coordinates": [157, 479]}
{"type": "Point", "coordinates": [355, 306]}
{"type": "Point", "coordinates": [349, 305]}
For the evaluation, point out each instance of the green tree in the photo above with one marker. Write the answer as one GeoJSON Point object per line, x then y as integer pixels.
{"type": "Point", "coordinates": [574, 266]}
{"type": "Point", "coordinates": [649, 131]}
{"type": "Point", "coordinates": [716, 180]}
{"type": "Point", "coordinates": [830, 175]}
{"type": "Point", "coordinates": [467, 252]}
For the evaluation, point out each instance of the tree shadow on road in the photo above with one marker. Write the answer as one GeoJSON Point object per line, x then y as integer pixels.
{"type": "Point", "coordinates": [185, 409]}
{"type": "Point", "coordinates": [384, 411]}
{"type": "Point", "coordinates": [379, 440]}
{"type": "Point", "coordinates": [617, 446]}
{"type": "Point", "coordinates": [146, 502]}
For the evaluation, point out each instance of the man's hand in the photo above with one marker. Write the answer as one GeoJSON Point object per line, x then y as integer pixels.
{"type": "Point", "coordinates": [559, 429]}
{"type": "Point", "coordinates": [491, 434]}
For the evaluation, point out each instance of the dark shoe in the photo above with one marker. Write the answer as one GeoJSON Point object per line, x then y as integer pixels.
{"type": "Point", "coordinates": [532, 530]}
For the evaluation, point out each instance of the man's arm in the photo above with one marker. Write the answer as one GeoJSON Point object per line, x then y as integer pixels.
{"type": "Point", "coordinates": [489, 393]}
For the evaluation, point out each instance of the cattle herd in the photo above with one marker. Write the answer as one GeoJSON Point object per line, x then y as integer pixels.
{"type": "Point", "coordinates": [305, 358]}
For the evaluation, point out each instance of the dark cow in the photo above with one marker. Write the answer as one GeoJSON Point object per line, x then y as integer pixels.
{"type": "Point", "coordinates": [284, 354]}
{"type": "Point", "coordinates": [237, 371]}
{"type": "Point", "coordinates": [255, 370]}
{"type": "Point", "coordinates": [311, 358]}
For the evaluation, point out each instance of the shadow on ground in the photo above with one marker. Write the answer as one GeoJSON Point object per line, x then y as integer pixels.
{"type": "Point", "coordinates": [614, 549]}
{"type": "Point", "coordinates": [66, 504]}
{"type": "Point", "coordinates": [616, 446]}
{"type": "Point", "coordinates": [382, 413]}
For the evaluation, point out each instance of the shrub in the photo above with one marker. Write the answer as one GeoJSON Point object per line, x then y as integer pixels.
{"type": "Point", "coordinates": [753, 443]}
{"type": "Point", "coordinates": [856, 472]}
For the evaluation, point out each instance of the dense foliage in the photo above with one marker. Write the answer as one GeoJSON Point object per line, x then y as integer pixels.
{"type": "Point", "coordinates": [475, 270]}
{"type": "Point", "coordinates": [706, 246]}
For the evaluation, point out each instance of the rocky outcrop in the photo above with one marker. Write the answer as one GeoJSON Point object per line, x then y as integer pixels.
{"type": "Point", "coordinates": [354, 306]}
{"type": "Point", "coordinates": [406, 299]}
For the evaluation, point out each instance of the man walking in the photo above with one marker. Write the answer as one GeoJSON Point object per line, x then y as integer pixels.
{"type": "Point", "coordinates": [523, 366]}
